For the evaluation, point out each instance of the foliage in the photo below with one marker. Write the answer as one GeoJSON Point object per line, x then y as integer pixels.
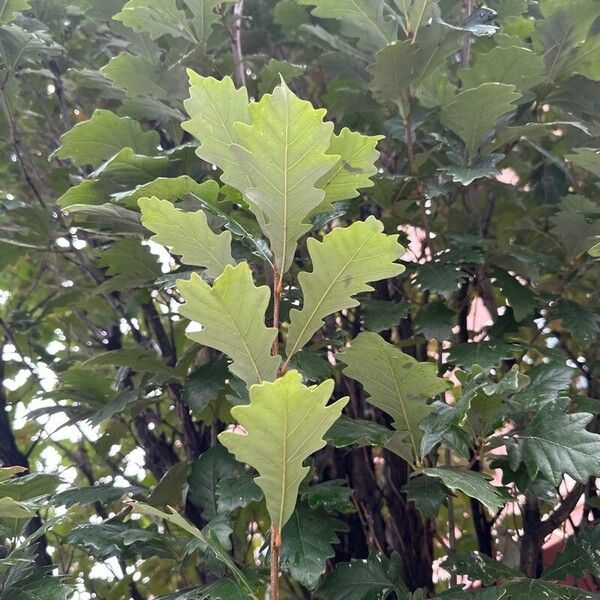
{"type": "Point", "coordinates": [299, 298]}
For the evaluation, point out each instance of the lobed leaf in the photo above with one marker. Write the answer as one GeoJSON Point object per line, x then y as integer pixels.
{"type": "Point", "coordinates": [284, 423]}
{"type": "Point", "coordinates": [343, 263]}
{"type": "Point", "coordinates": [187, 234]}
{"type": "Point", "coordinates": [232, 316]}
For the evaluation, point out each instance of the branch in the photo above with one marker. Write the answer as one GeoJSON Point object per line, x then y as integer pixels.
{"type": "Point", "coordinates": [235, 42]}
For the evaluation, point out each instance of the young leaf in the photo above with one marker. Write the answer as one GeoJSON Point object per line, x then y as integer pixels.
{"type": "Point", "coordinates": [10, 7]}
{"type": "Point", "coordinates": [555, 444]}
{"type": "Point", "coordinates": [187, 234]}
{"type": "Point", "coordinates": [104, 135]}
{"type": "Point", "coordinates": [232, 314]}
{"type": "Point", "coordinates": [354, 169]}
{"type": "Point", "coordinates": [343, 263]}
{"type": "Point", "coordinates": [396, 383]}
{"type": "Point", "coordinates": [12, 509]}
{"type": "Point", "coordinates": [283, 152]}
{"type": "Point", "coordinates": [285, 423]}
{"type": "Point", "coordinates": [487, 103]}
{"type": "Point", "coordinates": [214, 106]}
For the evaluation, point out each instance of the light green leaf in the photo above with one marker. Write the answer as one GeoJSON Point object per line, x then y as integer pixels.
{"type": "Point", "coordinates": [343, 263]}
{"type": "Point", "coordinates": [232, 314]}
{"type": "Point", "coordinates": [87, 192]}
{"type": "Point", "coordinates": [555, 444]}
{"type": "Point", "coordinates": [104, 135]}
{"type": "Point", "coordinates": [363, 19]}
{"type": "Point", "coordinates": [395, 382]}
{"type": "Point", "coordinates": [474, 113]}
{"type": "Point", "coordinates": [473, 484]}
{"type": "Point", "coordinates": [8, 472]}
{"type": "Point", "coordinates": [354, 169]}
{"type": "Point", "coordinates": [10, 7]}
{"type": "Point", "coordinates": [169, 188]}
{"type": "Point", "coordinates": [214, 106]}
{"type": "Point", "coordinates": [11, 509]}
{"type": "Point", "coordinates": [285, 423]}
{"type": "Point", "coordinates": [156, 18]}
{"type": "Point", "coordinates": [505, 64]}
{"type": "Point", "coordinates": [283, 152]}
{"type": "Point", "coordinates": [187, 234]}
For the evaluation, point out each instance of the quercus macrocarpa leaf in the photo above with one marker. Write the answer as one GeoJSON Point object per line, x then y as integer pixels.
{"type": "Point", "coordinates": [187, 234]}
{"type": "Point", "coordinates": [280, 153]}
{"type": "Point", "coordinates": [342, 265]}
{"type": "Point", "coordinates": [232, 315]}
{"type": "Point", "coordinates": [284, 424]}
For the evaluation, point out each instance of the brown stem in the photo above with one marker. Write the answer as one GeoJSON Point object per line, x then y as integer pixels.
{"type": "Point", "coordinates": [235, 42]}
{"type": "Point", "coordinates": [467, 7]}
{"type": "Point", "coordinates": [275, 546]}
{"type": "Point", "coordinates": [277, 289]}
